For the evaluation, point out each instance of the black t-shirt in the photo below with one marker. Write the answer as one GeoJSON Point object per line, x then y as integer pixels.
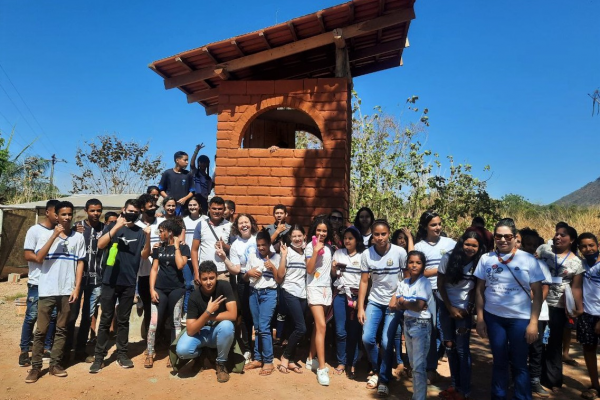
{"type": "Point", "coordinates": [176, 184]}
{"type": "Point", "coordinates": [198, 301]}
{"type": "Point", "coordinates": [169, 276]}
{"type": "Point", "coordinates": [131, 242]}
{"type": "Point", "coordinates": [93, 256]}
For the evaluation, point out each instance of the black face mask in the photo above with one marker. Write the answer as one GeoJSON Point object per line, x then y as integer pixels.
{"type": "Point", "coordinates": [150, 213]}
{"type": "Point", "coordinates": [131, 217]}
{"type": "Point", "coordinates": [591, 259]}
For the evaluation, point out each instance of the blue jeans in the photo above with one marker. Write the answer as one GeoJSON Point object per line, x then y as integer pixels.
{"type": "Point", "coordinates": [374, 315]}
{"type": "Point", "coordinates": [436, 350]}
{"type": "Point", "coordinates": [91, 298]}
{"type": "Point", "coordinates": [417, 333]}
{"type": "Point", "coordinates": [458, 331]}
{"type": "Point", "coordinates": [509, 348]}
{"type": "Point", "coordinates": [31, 314]}
{"type": "Point", "coordinates": [262, 306]}
{"type": "Point", "coordinates": [219, 336]}
{"type": "Point", "coordinates": [188, 278]}
{"type": "Point", "coordinates": [347, 330]}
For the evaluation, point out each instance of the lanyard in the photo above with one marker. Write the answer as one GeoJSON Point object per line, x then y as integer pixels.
{"type": "Point", "coordinates": [558, 266]}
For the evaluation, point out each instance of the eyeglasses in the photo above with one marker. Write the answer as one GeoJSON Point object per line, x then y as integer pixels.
{"type": "Point", "coordinates": [334, 218]}
{"type": "Point", "coordinates": [508, 237]}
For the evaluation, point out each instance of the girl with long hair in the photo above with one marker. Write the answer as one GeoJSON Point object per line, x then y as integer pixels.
{"type": "Point", "coordinates": [363, 221]}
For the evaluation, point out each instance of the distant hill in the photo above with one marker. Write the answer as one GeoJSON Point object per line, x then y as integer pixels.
{"type": "Point", "coordinates": [589, 195]}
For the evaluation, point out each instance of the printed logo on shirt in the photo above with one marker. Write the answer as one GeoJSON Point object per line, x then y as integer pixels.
{"type": "Point", "coordinates": [491, 273]}
{"type": "Point", "coordinates": [183, 182]}
{"type": "Point", "coordinates": [357, 265]}
{"type": "Point", "coordinates": [127, 241]}
{"type": "Point", "coordinates": [443, 251]}
{"type": "Point", "coordinates": [390, 262]}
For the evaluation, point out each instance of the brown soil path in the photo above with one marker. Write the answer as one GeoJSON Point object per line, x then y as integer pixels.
{"type": "Point", "coordinates": [158, 383]}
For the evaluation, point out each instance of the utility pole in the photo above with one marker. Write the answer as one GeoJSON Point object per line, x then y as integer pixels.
{"type": "Point", "coordinates": [53, 160]}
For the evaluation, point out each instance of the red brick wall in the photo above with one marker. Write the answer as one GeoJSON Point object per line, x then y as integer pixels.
{"type": "Point", "coordinates": [308, 182]}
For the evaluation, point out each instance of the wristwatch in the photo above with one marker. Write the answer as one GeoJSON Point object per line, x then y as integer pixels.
{"type": "Point", "coordinates": [209, 313]}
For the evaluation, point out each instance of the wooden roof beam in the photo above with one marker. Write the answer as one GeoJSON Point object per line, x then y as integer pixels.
{"type": "Point", "coordinates": [209, 54]}
{"type": "Point", "coordinates": [350, 12]}
{"type": "Point", "coordinates": [265, 40]}
{"type": "Point", "coordinates": [211, 110]}
{"type": "Point", "coordinates": [338, 39]}
{"type": "Point", "coordinates": [290, 25]}
{"type": "Point", "coordinates": [185, 65]}
{"type": "Point", "coordinates": [237, 47]}
{"type": "Point", "coordinates": [391, 63]}
{"type": "Point", "coordinates": [203, 95]}
{"type": "Point", "coordinates": [381, 7]}
{"type": "Point", "coordinates": [314, 42]}
{"type": "Point", "coordinates": [321, 21]}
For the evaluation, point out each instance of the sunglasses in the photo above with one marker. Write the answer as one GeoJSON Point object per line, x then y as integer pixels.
{"type": "Point", "coordinates": [334, 218]}
{"type": "Point", "coordinates": [508, 237]}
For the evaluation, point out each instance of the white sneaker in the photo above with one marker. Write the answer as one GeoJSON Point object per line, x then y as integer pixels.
{"type": "Point", "coordinates": [312, 364]}
{"type": "Point", "coordinates": [248, 357]}
{"type": "Point", "coordinates": [323, 376]}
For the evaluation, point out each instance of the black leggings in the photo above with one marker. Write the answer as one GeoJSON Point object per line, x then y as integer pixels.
{"type": "Point", "coordinates": [296, 307]}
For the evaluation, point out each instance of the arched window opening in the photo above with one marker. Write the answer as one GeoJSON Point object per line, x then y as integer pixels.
{"type": "Point", "coordinates": [284, 127]}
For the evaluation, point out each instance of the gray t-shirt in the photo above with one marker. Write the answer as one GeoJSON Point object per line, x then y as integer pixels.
{"type": "Point", "coordinates": [562, 271]}
{"type": "Point", "coordinates": [272, 228]}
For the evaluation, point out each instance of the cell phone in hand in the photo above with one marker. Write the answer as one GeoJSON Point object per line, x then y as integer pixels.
{"type": "Point", "coordinates": [341, 266]}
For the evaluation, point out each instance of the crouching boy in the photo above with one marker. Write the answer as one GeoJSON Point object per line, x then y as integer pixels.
{"type": "Point", "coordinates": [210, 320]}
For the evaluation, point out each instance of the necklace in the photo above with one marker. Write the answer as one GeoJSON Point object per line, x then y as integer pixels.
{"type": "Point", "coordinates": [512, 255]}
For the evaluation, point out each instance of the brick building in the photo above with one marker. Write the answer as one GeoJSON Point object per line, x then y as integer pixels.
{"type": "Point", "coordinates": [296, 77]}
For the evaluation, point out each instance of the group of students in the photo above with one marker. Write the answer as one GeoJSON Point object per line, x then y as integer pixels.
{"type": "Point", "coordinates": [217, 278]}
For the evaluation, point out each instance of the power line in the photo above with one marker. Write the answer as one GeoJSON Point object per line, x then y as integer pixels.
{"type": "Point", "coordinates": [18, 109]}
{"type": "Point", "coordinates": [44, 137]}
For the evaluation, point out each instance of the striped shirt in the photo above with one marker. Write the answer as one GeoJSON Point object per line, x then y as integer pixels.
{"type": "Point", "coordinates": [434, 253]}
{"type": "Point", "coordinates": [57, 275]}
{"type": "Point", "coordinates": [295, 274]}
{"type": "Point", "coordinates": [385, 271]}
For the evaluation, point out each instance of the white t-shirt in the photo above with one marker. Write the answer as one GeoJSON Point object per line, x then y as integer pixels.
{"type": "Point", "coordinates": [591, 288]}
{"type": "Point", "coordinates": [458, 293]}
{"type": "Point", "coordinates": [295, 274]}
{"type": "Point", "coordinates": [57, 275]}
{"type": "Point", "coordinates": [322, 275]}
{"type": "Point", "coordinates": [544, 313]}
{"type": "Point", "coordinates": [36, 238]}
{"type": "Point", "coordinates": [190, 226]}
{"type": "Point", "coordinates": [350, 277]}
{"type": "Point", "coordinates": [366, 239]}
{"type": "Point", "coordinates": [386, 272]}
{"type": "Point", "coordinates": [146, 263]}
{"type": "Point", "coordinates": [239, 251]}
{"type": "Point", "coordinates": [434, 253]}
{"type": "Point", "coordinates": [504, 297]}
{"type": "Point", "coordinates": [208, 241]}
{"type": "Point", "coordinates": [267, 279]}
{"type": "Point", "coordinates": [419, 290]}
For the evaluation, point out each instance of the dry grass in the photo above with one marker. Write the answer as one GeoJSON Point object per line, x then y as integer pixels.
{"type": "Point", "coordinates": [544, 219]}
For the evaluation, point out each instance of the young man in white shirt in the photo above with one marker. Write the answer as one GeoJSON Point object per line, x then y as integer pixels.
{"type": "Point", "coordinates": [38, 232]}
{"type": "Point", "coordinates": [62, 258]}
{"type": "Point", "coordinates": [208, 234]}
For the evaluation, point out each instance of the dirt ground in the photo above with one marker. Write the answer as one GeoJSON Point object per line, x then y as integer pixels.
{"type": "Point", "coordinates": [158, 382]}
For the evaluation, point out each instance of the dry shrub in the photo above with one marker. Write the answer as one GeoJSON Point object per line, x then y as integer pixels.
{"type": "Point", "coordinates": [543, 220]}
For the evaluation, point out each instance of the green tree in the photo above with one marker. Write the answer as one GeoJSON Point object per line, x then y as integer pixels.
{"type": "Point", "coordinates": [393, 175]}
{"type": "Point", "coordinates": [113, 166]}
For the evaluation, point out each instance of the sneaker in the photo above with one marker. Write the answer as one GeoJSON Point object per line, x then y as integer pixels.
{"type": "Point", "coordinates": [124, 361]}
{"type": "Point", "coordinates": [90, 359]}
{"type": "Point", "coordinates": [431, 377]}
{"type": "Point", "coordinates": [96, 366]}
{"type": "Point", "coordinates": [46, 356]}
{"type": "Point", "coordinates": [382, 390]}
{"type": "Point", "coordinates": [248, 357]}
{"type": "Point", "coordinates": [139, 304]}
{"type": "Point", "coordinates": [57, 370]}
{"type": "Point", "coordinates": [323, 376]}
{"type": "Point", "coordinates": [24, 359]}
{"type": "Point", "coordinates": [33, 375]}
{"type": "Point", "coordinates": [538, 391]}
{"type": "Point", "coordinates": [222, 374]}
{"type": "Point", "coordinates": [312, 364]}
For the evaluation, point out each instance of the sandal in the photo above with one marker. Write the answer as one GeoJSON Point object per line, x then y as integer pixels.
{"type": "Point", "coordinates": [266, 371]}
{"type": "Point", "coordinates": [296, 368]}
{"type": "Point", "coordinates": [589, 394]}
{"type": "Point", "coordinates": [339, 371]}
{"type": "Point", "coordinates": [570, 361]}
{"type": "Point", "coordinates": [448, 393]}
{"type": "Point", "coordinates": [282, 369]}
{"type": "Point", "coordinates": [149, 361]}
{"type": "Point", "coordinates": [373, 381]}
{"type": "Point", "coordinates": [382, 390]}
{"type": "Point", "coordinates": [253, 365]}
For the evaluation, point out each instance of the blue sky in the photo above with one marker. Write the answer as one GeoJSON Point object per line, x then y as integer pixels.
{"type": "Point", "coordinates": [506, 82]}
